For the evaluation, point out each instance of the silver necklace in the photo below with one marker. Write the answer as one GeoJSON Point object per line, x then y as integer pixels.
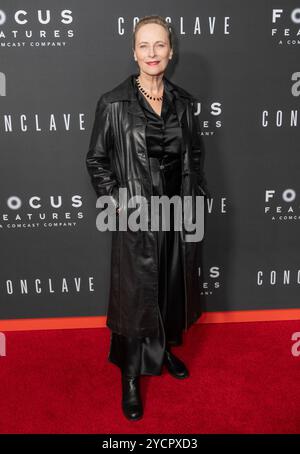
{"type": "Point", "coordinates": [158, 98]}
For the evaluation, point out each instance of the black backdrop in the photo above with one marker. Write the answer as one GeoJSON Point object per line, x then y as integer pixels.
{"type": "Point", "coordinates": [239, 58]}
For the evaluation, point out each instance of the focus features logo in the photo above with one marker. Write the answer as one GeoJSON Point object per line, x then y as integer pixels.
{"type": "Point", "coordinates": [286, 26]}
{"type": "Point", "coordinates": [282, 205]}
{"type": "Point", "coordinates": [213, 282]}
{"type": "Point", "coordinates": [40, 28]}
{"type": "Point", "coordinates": [40, 212]}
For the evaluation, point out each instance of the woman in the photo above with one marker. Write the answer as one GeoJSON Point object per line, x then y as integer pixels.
{"type": "Point", "coordinates": [146, 140]}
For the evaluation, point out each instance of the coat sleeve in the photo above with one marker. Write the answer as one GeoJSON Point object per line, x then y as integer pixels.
{"type": "Point", "coordinates": [98, 158]}
{"type": "Point", "coordinates": [198, 152]}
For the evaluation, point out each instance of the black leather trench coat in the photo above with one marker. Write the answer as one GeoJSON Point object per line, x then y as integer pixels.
{"type": "Point", "coordinates": [117, 157]}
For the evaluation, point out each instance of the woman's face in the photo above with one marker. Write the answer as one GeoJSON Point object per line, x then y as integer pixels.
{"type": "Point", "coordinates": [152, 45]}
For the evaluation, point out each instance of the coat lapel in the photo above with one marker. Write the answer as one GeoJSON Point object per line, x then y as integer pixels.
{"type": "Point", "coordinates": [125, 92]}
{"type": "Point", "coordinates": [135, 109]}
{"type": "Point", "coordinates": [180, 106]}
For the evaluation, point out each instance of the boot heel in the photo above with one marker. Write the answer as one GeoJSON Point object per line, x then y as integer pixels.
{"type": "Point", "coordinates": [131, 399]}
{"type": "Point", "coordinates": [175, 366]}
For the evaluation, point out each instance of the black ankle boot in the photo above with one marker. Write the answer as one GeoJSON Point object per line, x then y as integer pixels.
{"type": "Point", "coordinates": [174, 365]}
{"type": "Point", "coordinates": [131, 398]}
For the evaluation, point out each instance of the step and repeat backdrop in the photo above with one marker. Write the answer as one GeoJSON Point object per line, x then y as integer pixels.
{"type": "Point", "coordinates": [241, 61]}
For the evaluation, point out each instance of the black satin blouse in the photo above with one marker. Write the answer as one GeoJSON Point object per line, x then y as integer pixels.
{"type": "Point", "coordinates": [163, 133]}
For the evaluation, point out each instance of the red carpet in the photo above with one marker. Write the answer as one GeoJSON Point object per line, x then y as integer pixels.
{"type": "Point", "coordinates": [244, 379]}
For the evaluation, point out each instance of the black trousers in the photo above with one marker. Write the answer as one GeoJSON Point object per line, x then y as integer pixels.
{"type": "Point", "coordinates": [144, 356]}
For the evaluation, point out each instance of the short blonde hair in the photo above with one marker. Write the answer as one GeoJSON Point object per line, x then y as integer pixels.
{"type": "Point", "coordinates": [153, 19]}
